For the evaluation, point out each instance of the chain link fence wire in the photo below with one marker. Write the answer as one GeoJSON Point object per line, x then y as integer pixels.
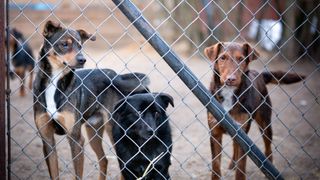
{"type": "Point", "coordinates": [285, 33]}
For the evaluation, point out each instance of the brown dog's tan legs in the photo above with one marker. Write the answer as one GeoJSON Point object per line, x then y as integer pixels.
{"type": "Point", "coordinates": [95, 135]}
{"type": "Point", "coordinates": [46, 130]}
{"type": "Point", "coordinates": [216, 146]}
{"type": "Point", "coordinates": [241, 160]}
{"type": "Point", "coordinates": [215, 142]}
{"type": "Point", "coordinates": [240, 157]}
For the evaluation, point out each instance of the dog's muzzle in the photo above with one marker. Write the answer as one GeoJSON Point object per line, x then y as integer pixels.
{"type": "Point", "coordinates": [80, 59]}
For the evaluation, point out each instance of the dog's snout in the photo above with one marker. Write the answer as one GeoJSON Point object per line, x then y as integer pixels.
{"type": "Point", "coordinates": [231, 80]}
{"type": "Point", "coordinates": [81, 59]}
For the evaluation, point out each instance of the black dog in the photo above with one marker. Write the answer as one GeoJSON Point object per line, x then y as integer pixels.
{"type": "Point", "coordinates": [141, 133]}
{"type": "Point", "coordinates": [22, 59]}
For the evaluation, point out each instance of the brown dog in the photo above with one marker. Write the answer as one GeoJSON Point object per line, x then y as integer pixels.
{"type": "Point", "coordinates": [243, 94]}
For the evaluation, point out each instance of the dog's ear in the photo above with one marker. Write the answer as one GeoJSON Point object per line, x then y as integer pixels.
{"type": "Point", "coordinates": [213, 51]}
{"type": "Point", "coordinates": [16, 33]}
{"type": "Point", "coordinates": [85, 36]}
{"type": "Point", "coordinates": [166, 99]}
{"type": "Point", "coordinates": [50, 28]}
{"type": "Point", "coordinates": [250, 53]}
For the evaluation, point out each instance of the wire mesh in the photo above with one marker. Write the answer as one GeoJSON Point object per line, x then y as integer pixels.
{"type": "Point", "coordinates": [286, 35]}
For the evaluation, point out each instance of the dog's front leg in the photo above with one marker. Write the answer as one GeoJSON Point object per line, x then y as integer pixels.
{"type": "Point", "coordinates": [240, 155]}
{"type": "Point", "coordinates": [46, 130]}
{"type": "Point", "coordinates": [73, 127]}
{"type": "Point", "coordinates": [76, 142]}
{"type": "Point", "coordinates": [241, 160]}
{"type": "Point", "coordinates": [216, 132]}
{"type": "Point", "coordinates": [95, 128]}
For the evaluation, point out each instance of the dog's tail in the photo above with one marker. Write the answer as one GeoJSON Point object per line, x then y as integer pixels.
{"type": "Point", "coordinates": [279, 77]}
{"type": "Point", "coordinates": [132, 83]}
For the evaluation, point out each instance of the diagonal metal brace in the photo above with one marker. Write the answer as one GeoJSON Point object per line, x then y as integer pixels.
{"type": "Point", "coordinates": [198, 89]}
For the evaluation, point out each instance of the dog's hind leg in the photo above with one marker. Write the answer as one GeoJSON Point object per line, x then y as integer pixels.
{"type": "Point", "coordinates": [30, 69]}
{"type": "Point", "coordinates": [20, 71]}
{"type": "Point", "coordinates": [95, 128]}
{"type": "Point", "coordinates": [267, 139]}
{"type": "Point", "coordinates": [46, 130]}
{"type": "Point", "coordinates": [263, 120]}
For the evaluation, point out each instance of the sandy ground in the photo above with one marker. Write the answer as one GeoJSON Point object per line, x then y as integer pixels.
{"type": "Point", "coordinates": [119, 47]}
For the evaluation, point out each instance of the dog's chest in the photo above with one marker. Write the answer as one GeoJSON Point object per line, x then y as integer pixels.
{"type": "Point", "coordinates": [227, 94]}
{"type": "Point", "coordinates": [49, 94]}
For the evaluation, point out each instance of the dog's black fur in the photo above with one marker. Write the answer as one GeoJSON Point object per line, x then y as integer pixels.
{"type": "Point", "coordinates": [141, 132]}
{"type": "Point", "coordinates": [65, 98]}
{"type": "Point", "coordinates": [22, 59]}
{"type": "Point", "coordinates": [21, 51]}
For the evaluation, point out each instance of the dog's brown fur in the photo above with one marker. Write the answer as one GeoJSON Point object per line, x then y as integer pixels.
{"type": "Point", "coordinates": [250, 100]}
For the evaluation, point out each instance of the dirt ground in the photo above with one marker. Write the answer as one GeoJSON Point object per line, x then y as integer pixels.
{"type": "Point", "coordinates": [120, 47]}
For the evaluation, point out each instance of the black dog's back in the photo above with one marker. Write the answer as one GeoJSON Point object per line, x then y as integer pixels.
{"type": "Point", "coordinates": [138, 141]}
{"type": "Point", "coordinates": [22, 53]}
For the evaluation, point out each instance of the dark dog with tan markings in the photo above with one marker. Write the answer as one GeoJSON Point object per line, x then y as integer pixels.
{"type": "Point", "coordinates": [243, 94]}
{"type": "Point", "coordinates": [64, 98]}
{"type": "Point", "coordinates": [22, 59]}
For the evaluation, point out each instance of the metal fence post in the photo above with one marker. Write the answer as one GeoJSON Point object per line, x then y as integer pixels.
{"type": "Point", "coordinates": [2, 93]}
{"type": "Point", "coordinates": [191, 81]}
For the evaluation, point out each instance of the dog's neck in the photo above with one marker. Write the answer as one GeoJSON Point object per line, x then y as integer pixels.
{"type": "Point", "coordinates": [51, 78]}
{"type": "Point", "coordinates": [51, 90]}
{"type": "Point", "coordinates": [226, 95]}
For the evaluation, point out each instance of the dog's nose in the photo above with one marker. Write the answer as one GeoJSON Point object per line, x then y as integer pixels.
{"type": "Point", "coordinates": [81, 60]}
{"type": "Point", "coordinates": [231, 79]}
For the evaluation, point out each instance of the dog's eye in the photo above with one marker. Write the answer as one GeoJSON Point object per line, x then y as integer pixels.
{"type": "Point", "coordinates": [222, 58]}
{"type": "Point", "coordinates": [65, 45]}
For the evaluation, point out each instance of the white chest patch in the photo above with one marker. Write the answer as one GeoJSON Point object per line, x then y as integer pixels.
{"type": "Point", "coordinates": [227, 93]}
{"type": "Point", "coordinates": [50, 91]}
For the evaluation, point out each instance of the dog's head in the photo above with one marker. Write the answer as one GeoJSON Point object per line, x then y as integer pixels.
{"type": "Point", "coordinates": [16, 38]}
{"type": "Point", "coordinates": [231, 60]}
{"type": "Point", "coordinates": [142, 115]}
{"type": "Point", "coordinates": [63, 46]}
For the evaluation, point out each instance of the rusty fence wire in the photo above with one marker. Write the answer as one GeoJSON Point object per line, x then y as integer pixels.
{"type": "Point", "coordinates": [286, 34]}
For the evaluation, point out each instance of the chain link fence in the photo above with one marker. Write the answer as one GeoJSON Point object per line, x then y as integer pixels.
{"type": "Point", "coordinates": [285, 33]}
